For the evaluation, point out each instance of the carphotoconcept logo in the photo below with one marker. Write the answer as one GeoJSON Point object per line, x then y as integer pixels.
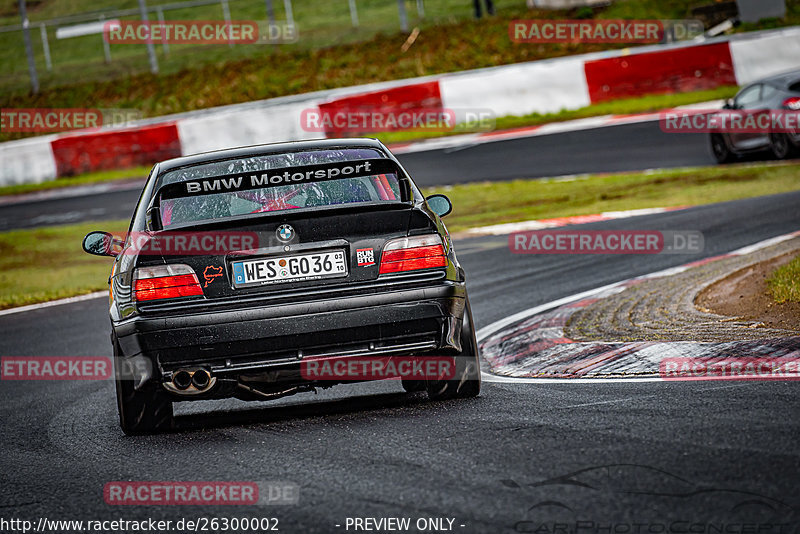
{"type": "Point", "coordinates": [558, 503]}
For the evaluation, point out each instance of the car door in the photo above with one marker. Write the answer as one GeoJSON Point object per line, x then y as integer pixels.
{"type": "Point", "coordinates": [749, 103]}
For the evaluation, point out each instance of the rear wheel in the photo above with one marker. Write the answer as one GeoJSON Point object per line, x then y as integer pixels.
{"type": "Point", "coordinates": [467, 380]}
{"type": "Point", "coordinates": [720, 149]}
{"type": "Point", "coordinates": [142, 411]}
{"type": "Point", "coordinates": [412, 386]}
{"type": "Point", "coordinates": [781, 146]}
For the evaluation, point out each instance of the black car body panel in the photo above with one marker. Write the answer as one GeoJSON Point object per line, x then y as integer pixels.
{"type": "Point", "coordinates": [240, 333]}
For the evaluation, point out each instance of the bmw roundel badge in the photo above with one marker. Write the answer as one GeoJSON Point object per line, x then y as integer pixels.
{"type": "Point", "coordinates": [285, 232]}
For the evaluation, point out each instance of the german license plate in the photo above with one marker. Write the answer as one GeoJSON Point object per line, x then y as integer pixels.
{"type": "Point", "coordinates": [293, 268]}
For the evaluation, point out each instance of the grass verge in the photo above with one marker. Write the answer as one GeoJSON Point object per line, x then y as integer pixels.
{"type": "Point", "coordinates": [784, 284]}
{"type": "Point", "coordinates": [84, 179]}
{"type": "Point", "coordinates": [48, 263]}
{"type": "Point", "coordinates": [488, 203]}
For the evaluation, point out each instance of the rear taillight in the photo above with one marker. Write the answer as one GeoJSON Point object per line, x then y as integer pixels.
{"type": "Point", "coordinates": [792, 103]}
{"type": "Point", "coordinates": [165, 282]}
{"type": "Point", "coordinates": [413, 253]}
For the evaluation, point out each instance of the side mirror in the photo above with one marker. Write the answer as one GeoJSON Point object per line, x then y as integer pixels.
{"type": "Point", "coordinates": [729, 104]}
{"type": "Point", "coordinates": [439, 204]}
{"type": "Point", "coordinates": [100, 244]}
{"type": "Point", "coordinates": [153, 218]}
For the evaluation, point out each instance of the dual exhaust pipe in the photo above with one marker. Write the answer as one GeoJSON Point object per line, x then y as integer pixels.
{"type": "Point", "coordinates": [190, 381]}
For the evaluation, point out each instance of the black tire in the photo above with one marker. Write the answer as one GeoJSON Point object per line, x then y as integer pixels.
{"type": "Point", "coordinates": [412, 386]}
{"type": "Point", "coordinates": [467, 381]}
{"type": "Point", "coordinates": [781, 146]}
{"type": "Point", "coordinates": [720, 150]}
{"type": "Point", "coordinates": [143, 411]}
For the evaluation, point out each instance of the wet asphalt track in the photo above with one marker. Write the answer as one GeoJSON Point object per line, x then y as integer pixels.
{"type": "Point", "coordinates": [547, 458]}
{"type": "Point", "coordinates": [643, 145]}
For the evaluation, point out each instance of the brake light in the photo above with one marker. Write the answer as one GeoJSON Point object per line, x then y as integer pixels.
{"type": "Point", "coordinates": [413, 253]}
{"type": "Point", "coordinates": [165, 282]}
{"type": "Point", "coordinates": [792, 103]}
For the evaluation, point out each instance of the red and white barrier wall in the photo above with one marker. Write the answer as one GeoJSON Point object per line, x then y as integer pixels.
{"type": "Point", "coordinates": [772, 53]}
{"type": "Point", "coordinates": [236, 127]}
{"type": "Point", "coordinates": [677, 70]}
{"type": "Point", "coordinates": [519, 89]}
{"type": "Point", "coordinates": [27, 161]}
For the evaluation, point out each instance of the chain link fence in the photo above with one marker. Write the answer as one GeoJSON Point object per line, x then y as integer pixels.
{"type": "Point", "coordinates": [57, 49]}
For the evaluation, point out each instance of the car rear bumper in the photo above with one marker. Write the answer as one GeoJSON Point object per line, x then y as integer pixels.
{"type": "Point", "coordinates": [236, 342]}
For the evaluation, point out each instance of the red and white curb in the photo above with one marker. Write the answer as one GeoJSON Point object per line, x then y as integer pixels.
{"type": "Point", "coordinates": [542, 224]}
{"type": "Point", "coordinates": [532, 342]}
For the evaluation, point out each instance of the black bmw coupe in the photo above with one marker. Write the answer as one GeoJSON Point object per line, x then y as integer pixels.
{"type": "Point", "coordinates": [242, 266]}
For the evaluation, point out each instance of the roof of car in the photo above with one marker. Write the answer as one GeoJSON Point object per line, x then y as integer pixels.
{"type": "Point", "coordinates": [784, 79]}
{"type": "Point", "coordinates": [272, 148]}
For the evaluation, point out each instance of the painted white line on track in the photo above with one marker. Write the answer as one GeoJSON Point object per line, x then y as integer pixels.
{"type": "Point", "coordinates": [493, 328]}
{"type": "Point", "coordinates": [497, 379]}
{"type": "Point", "coordinates": [612, 401]}
{"type": "Point", "coordinates": [69, 300]}
{"type": "Point", "coordinates": [558, 222]}
{"type": "Point", "coordinates": [764, 244]}
{"type": "Point", "coordinates": [486, 331]}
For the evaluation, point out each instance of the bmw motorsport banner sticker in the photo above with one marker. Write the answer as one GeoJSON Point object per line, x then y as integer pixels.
{"type": "Point", "coordinates": [277, 177]}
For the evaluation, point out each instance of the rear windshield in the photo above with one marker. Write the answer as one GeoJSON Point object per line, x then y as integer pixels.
{"type": "Point", "coordinates": [361, 187]}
